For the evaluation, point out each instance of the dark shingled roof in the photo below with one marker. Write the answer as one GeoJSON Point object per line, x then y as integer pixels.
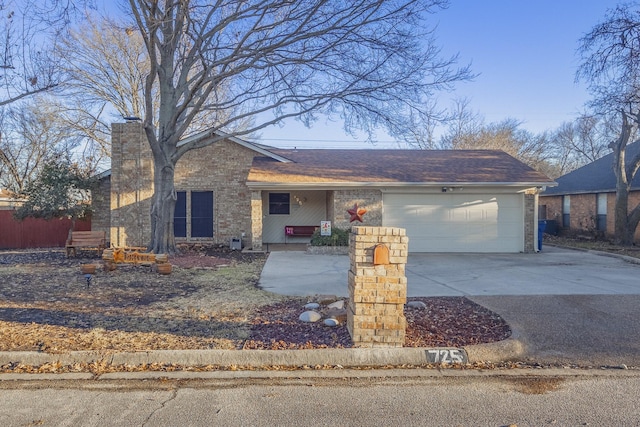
{"type": "Point", "coordinates": [596, 177]}
{"type": "Point", "coordinates": [394, 166]}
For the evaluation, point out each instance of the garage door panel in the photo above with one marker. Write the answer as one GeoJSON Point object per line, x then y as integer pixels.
{"type": "Point", "coordinates": [458, 222]}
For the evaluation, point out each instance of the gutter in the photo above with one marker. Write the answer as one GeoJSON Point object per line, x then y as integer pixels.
{"type": "Point", "coordinates": [349, 184]}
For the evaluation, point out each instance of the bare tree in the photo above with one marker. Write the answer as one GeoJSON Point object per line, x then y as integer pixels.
{"type": "Point", "coordinates": [582, 141]}
{"type": "Point", "coordinates": [468, 131]}
{"type": "Point", "coordinates": [28, 33]}
{"type": "Point", "coordinates": [610, 55]}
{"type": "Point", "coordinates": [106, 64]}
{"type": "Point", "coordinates": [370, 63]}
{"type": "Point", "coordinates": [31, 136]}
{"type": "Point", "coordinates": [462, 124]}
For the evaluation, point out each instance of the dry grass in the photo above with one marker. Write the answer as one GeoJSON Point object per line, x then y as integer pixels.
{"type": "Point", "coordinates": [47, 306]}
{"type": "Point", "coordinates": [593, 244]}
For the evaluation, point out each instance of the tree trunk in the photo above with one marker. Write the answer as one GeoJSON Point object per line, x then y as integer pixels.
{"type": "Point", "coordinates": [623, 231]}
{"type": "Point", "coordinates": [162, 208]}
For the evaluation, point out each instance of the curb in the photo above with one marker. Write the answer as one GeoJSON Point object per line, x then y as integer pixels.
{"type": "Point", "coordinates": [502, 351]}
{"type": "Point", "coordinates": [626, 258]}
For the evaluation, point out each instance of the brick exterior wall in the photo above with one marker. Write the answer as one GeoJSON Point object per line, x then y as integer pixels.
{"type": "Point", "coordinates": [340, 201]}
{"type": "Point", "coordinates": [131, 185]}
{"type": "Point", "coordinates": [256, 220]}
{"type": "Point", "coordinates": [101, 202]}
{"type": "Point", "coordinates": [553, 207]}
{"type": "Point", "coordinates": [530, 234]}
{"type": "Point", "coordinates": [583, 211]}
{"type": "Point", "coordinates": [222, 168]}
{"type": "Point", "coordinates": [377, 293]}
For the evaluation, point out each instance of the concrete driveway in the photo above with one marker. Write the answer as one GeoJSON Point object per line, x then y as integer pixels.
{"type": "Point", "coordinates": [554, 271]}
{"type": "Point", "coordinates": [566, 307]}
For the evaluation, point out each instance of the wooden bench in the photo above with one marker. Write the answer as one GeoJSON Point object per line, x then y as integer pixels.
{"type": "Point", "coordinates": [86, 240]}
{"type": "Point", "coordinates": [299, 231]}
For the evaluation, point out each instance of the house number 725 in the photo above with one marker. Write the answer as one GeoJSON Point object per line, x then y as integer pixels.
{"type": "Point", "coordinates": [447, 355]}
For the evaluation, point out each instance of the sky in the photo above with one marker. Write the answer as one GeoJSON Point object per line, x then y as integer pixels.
{"type": "Point", "coordinates": [524, 52]}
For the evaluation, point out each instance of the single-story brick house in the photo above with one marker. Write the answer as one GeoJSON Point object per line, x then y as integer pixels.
{"type": "Point", "coordinates": [584, 199]}
{"type": "Point", "coordinates": [449, 201]}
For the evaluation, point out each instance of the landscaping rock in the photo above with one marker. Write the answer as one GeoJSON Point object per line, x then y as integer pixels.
{"type": "Point", "coordinates": [326, 299]}
{"type": "Point", "coordinates": [331, 322]}
{"type": "Point", "coordinates": [310, 316]}
{"type": "Point", "coordinates": [338, 304]}
{"type": "Point", "coordinates": [416, 304]}
{"type": "Point", "coordinates": [311, 306]}
{"type": "Point", "coordinates": [340, 314]}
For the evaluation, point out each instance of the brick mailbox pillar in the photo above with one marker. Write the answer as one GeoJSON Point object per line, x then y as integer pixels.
{"type": "Point", "coordinates": [377, 287]}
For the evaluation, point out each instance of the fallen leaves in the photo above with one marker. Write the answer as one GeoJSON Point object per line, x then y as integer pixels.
{"type": "Point", "coordinates": [210, 302]}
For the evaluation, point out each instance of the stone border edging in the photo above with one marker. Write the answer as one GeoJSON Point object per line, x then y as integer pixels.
{"type": "Point", "coordinates": [500, 351]}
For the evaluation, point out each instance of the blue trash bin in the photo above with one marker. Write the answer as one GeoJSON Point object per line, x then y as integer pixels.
{"type": "Point", "coordinates": [542, 225]}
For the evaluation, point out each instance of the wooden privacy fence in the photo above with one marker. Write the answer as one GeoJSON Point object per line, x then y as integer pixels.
{"type": "Point", "coordinates": [35, 232]}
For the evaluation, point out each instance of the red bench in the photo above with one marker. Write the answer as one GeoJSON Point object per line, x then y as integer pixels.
{"type": "Point", "coordinates": [299, 231]}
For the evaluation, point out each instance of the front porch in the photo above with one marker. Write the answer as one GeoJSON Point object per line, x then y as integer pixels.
{"type": "Point", "coordinates": [273, 209]}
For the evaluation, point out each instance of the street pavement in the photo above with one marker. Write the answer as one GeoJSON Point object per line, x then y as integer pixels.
{"type": "Point", "coordinates": [565, 306]}
{"type": "Point", "coordinates": [416, 397]}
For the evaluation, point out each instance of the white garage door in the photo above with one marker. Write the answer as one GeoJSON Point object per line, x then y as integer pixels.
{"type": "Point", "coordinates": [452, 222]}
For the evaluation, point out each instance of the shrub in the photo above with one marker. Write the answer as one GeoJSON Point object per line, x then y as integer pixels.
{"type": "Point", "coordinates": [338, 237]}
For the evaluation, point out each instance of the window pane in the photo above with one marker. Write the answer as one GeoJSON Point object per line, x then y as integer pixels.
{"type": "Point", "coordinates": [180, 215]}
{"type": "Point", "coordinates": [202, 214]}
{"type": "Point", "coordinates": [602, 223]}
{"type": "Point", "coordinates": [278, 203]}
{"type": "Point", "coordinates": [201, 227]}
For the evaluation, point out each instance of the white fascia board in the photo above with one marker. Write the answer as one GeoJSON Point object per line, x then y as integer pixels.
{"type": "Point", "coordinates": [386, 185]}
{"type": "Point", "coordinates": [221, 135]}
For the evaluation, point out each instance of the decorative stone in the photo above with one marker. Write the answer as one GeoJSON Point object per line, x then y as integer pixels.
{"type": "Point", "coordinates": [311, 306]}
{"type": "Point", "coordinates": [416, 304]}
{"type": "Point", "coordinates": [337, 304]}
{"type": "Point", "coordinates": [326, 299]}
{"type": "Point", "coordinates": [310, 316]}
{"type": "Point", "coordinates": [340, 314]}
{"type": "Point", "coordinates": [331, 322]}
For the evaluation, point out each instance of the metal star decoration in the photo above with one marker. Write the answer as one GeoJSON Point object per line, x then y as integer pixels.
{"type": "Point", "coordinates": [356, 214]}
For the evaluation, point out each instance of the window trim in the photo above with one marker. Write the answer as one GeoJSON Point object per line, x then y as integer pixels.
{"type": "Point", "coordinates": [566, 211]}
{"type": "Point", "coordinates": [188, 219]}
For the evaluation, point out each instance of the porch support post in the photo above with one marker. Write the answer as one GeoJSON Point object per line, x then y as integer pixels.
{"type": "Point", "coordinates": [256, 220]}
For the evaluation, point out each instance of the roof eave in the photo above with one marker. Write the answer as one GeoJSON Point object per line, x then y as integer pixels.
{"type": "Point", "coordinates": [332, 184]}
{"type": "Point", "coordinates": [222, 135]}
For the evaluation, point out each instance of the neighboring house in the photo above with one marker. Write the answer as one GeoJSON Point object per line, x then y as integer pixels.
{"type": "Point", "coordinates": [8, 200]}
{"type": "Point", "coordinates": [448, 201]}
{"type": "Point", "coordinates": [584, 200]}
